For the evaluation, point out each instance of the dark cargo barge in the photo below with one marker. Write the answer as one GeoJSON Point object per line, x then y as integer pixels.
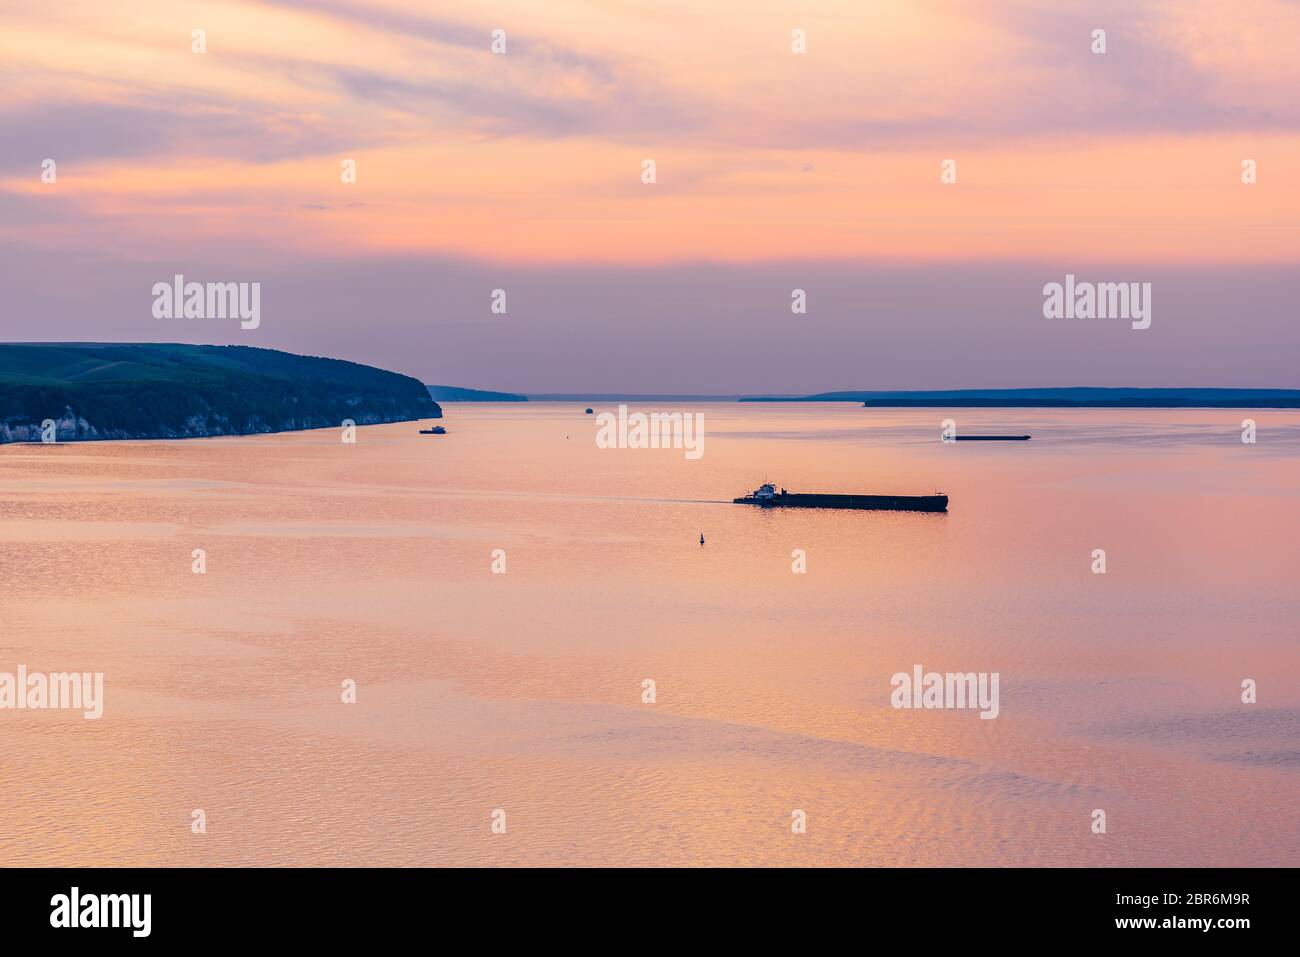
{"type": "Point", "coordinates": [767, 496]}
{"type": "Point", "coordinates": [991, 438]}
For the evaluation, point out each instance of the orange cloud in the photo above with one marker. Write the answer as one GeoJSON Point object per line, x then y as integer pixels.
{"type": "Point", "coordinates": [761, 153]}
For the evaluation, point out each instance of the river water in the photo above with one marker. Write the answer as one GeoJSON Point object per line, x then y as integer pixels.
{"type": "Point", "coordinates": [517, 695]}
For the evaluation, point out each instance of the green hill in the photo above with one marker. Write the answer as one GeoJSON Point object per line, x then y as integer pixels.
{"type": "Point", "coordinates": [134, 391]}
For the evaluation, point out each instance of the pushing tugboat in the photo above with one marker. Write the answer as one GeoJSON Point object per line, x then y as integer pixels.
{"type": "Point", "coordinates": [767, 496]}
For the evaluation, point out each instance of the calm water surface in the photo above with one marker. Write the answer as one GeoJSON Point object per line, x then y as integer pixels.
{"type": "Point", "coordinates": [522, 691]}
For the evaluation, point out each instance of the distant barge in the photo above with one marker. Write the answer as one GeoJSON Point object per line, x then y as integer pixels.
{"type": "Point", "coordinates": [436, 430]}
{"type": "Point", "coordinates": [767, 496]}
{"type": "Point", "coordinates": [991, 438]}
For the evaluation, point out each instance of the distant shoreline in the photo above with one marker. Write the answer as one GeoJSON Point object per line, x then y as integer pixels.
{"type": "Point", "coordinates": [1082, 397]}
{"type": "Point", "coordinates": [726, 400]}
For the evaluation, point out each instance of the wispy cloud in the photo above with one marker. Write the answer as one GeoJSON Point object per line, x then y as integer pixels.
{"type": "Point", "coordinates": [537, 153]}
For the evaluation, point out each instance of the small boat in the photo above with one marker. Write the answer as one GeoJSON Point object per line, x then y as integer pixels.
{"type": "Point", "coordinates": [588, 412]}
{"type": "Point", "coordinates": [991, 438]}
{"type": "Point", "coordinates": [767, 496]}
{"type": "Point", "coordinates": [436, 430]}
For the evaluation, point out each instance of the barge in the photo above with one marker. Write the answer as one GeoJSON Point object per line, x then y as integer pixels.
{"type": "Point", "coordinates": [767, 496]}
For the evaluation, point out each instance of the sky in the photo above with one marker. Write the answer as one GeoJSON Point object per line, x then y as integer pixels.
{"type": "Point", "coordinates": [774, 170]}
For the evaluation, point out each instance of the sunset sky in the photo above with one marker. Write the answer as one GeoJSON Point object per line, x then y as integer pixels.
{"type": "Point", "coordinates": [775, 170]}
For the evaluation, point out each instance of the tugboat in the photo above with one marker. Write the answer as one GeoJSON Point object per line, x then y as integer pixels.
{"type": "Point", "coordinates": [436, 430]}
{"type": "Point", "coordinates": [767, 496]}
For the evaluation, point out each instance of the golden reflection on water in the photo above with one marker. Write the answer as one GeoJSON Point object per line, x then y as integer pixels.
{"type": "Point", "coordinates": [522, 690]}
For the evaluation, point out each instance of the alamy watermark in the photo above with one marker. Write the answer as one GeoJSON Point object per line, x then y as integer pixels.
{"type": "Point", "coordinates": [76, 691]}
{"type": "Point", "coordinates": [922, 689]}
{"type": "Point", "coordinates": [1098, 300]}
{"type": "Point", "coordinates": [75, 909]}
{"type": "Point", "coordinates": [653, 430]}
{"type": "Point", "coordinates": [179, 299]}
